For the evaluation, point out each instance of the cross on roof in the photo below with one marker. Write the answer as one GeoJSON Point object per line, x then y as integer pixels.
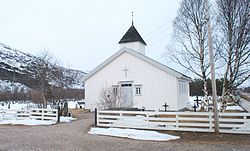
{"type": "Point", "coordinates": [125, 71]}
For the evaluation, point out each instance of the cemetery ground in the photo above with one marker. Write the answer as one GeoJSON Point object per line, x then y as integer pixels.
{"type": "Point", "coordinates": [74, 137]}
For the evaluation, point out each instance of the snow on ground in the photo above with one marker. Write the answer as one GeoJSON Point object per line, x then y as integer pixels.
{"type": "Point", "coordinates": [133, 134]}
{"type": "Point", "coordinates": [75, 104]}
{"type": "Point", "coordinates": [27, 122]}
{"type": "Point", "coordinates": [235, 108]}
{"type": "Point", "coordinates": [17, 106]}
{"type": "Point", "coordinates": [64, 119]}
{"type": "Point", "coordinates": [36, 122]}
{"type": "Point", "coordinates": [137, 121]}
{"type": "Point", "coordinates": [133, 121]}
{"type": "Point", "coordinates": [72, 104]}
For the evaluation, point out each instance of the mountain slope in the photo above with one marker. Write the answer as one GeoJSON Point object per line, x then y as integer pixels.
{"type": "Point", "coordinates": [20, 67]}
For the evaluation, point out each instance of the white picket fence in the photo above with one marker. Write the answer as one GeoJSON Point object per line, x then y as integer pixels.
{"type": "Point", "coordinates": [177, 121]}
{"type": "Point", "coordinates": [37, 114]}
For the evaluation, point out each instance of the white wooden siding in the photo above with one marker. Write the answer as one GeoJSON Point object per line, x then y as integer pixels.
{"type": "Point", "coordinates": [158, 86]}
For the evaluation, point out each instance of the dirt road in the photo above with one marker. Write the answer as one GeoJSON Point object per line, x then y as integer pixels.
{"type": "Point", "coordinates": [74, 137]}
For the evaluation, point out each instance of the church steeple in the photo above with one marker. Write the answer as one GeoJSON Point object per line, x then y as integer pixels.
{"type": "Point", "coordinates": [132, 39]}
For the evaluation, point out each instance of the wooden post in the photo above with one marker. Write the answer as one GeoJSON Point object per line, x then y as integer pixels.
{"type": "Point", "coordinates": [147, 117]}
{"type": "Point", "coordinates": [42, 114]}
{"type": "Point", "coordinates": [177, 121]}
{"type": "Point", "coordinates": [58, 114]}
{"type": "Point", "coordinates": [211, 58]}
{"type": "Point", "coordinates": [95, 116]}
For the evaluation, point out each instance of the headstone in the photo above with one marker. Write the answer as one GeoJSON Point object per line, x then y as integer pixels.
{"type": "Point", "coordinates": [143, 108]}
{"type": "Point", "coordinates": [195, 107]}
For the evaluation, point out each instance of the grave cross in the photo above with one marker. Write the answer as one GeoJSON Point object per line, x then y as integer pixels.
{"type": "Point", "coordinates": [125, 71]}
{"type": "Point", "coordinates": [165, 106]}
{"type": "Point", "coordinates": [197, 101]}
{"type": "Point", "coordinates": [195, 107]}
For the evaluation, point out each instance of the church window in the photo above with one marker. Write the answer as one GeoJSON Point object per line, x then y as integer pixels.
{"type": "Point", "coordinates": [138, 89]}
{"type": "Point", "coordinates": [182, 87]}
{"type": "Point", "coordinates": [115, 89]}
{"type": "Point", "coordinates": [126, 85]}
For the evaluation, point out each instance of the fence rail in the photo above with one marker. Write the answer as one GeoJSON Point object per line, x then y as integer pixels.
{"type": "Point", "coordinates": [178, 121]}
{"type": "Point", "coordinates": [37, 114]}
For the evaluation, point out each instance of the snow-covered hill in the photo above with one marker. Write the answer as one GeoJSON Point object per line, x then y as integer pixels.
{"type": "Point", "coordinates": [17, 69]}
{"type": "Point", "coordinates": [8, 86]}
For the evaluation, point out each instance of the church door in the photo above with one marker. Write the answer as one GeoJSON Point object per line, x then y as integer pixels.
{"type": "Point", "coordinates": [127, 94]}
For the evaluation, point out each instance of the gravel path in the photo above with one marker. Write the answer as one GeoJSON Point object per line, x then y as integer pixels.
{"type": "Point", "coordinates": [73, 137]}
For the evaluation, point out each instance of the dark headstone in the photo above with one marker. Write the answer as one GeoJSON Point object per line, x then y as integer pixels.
{"type": "Point", "coordinates": [165, 106]}
{"type": "Point", "coordinates": [195, 107]}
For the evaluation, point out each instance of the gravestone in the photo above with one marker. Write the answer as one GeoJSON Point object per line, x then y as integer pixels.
{"type": "Point", "coordinates": [195, 107]}
{"type": "Point", "coordinates": [165, 106]}
{"type": "Point", "coordinates": [197, 101]}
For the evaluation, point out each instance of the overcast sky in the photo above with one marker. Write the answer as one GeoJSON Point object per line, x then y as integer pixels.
{"type": "Point", "coordinates": [81, 34]}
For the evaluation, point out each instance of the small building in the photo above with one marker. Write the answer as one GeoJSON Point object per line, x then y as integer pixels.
{"type": "Point", "coordinates": [80, 104]}
{"type": "Point", "coordinates": [147, 83]}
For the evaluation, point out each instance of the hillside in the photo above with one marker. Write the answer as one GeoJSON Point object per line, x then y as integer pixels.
{"type": "Point", "coordinates": [19, 69]}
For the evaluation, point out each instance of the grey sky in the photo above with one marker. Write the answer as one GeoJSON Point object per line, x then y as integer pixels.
{"type": "Point", "coordinates": [82, 33]}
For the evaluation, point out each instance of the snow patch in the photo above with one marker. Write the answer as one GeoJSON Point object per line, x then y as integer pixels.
{"type": "Point", "coordinates": [27, 122]}
{"type": "Point", "coordinates": [137, 121]}
{"type": "Point", "coordinates": [234, 108]}
{"type": "Point", "coordinates": [64, 119]}
{"type": "Point", "coordinates": [133, 134]}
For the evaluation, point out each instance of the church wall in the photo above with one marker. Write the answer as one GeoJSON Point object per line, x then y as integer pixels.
{"type": "Point", "coordinates": [183, 96]}
{"type": "Point", "coordinates": [158, 86]}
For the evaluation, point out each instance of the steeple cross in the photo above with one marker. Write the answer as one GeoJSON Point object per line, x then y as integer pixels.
{"type": "Point", "coordinates": [125, 71]}
{"type": "Point", "coordinates": [132, 18]}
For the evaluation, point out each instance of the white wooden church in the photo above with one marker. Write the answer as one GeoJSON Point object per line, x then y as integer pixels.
{"type": "Point", "coordinates": [148, 84]}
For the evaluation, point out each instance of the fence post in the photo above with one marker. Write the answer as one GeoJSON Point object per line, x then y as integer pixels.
{"type": "Point", "coordinates": [95, 116]}
{"type": "Point", "coordinates": [58, 115]}
{"type": "Point", "coordinates": [210, 121]}
{"type": "Point", "coordinates": [177, 120]}
{"type": "Point", "coordinates": [120, 114]}
{"type": "Point", "coordinates": [42, 114]}
{"type": "Point", "coordinates": [147, 117]}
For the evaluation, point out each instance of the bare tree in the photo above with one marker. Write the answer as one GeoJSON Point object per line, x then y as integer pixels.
{"type": "Point", "coordinates": [234, 20]}
{"type": "Point", "coordinates": [112, 97]}
{"type": "Point", "coordinates": [41, 69]}
{"type": "Point", "coordinates": [189, 47]}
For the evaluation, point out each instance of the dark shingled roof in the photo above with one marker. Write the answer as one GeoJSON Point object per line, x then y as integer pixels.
{"type": "Point", "coordinates": [131, 35]}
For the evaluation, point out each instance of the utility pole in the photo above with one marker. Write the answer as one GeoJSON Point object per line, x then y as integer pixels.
{"type": "Point", "coordinates": [211, 59]}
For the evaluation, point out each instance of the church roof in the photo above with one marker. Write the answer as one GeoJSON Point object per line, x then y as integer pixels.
{"type": "Point", "coordinates": [132, 35]}
{"type": "Point", "coordinates": [140, 56]}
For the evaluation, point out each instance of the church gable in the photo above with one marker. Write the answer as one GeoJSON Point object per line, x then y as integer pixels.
{"type": "Point", "coordinates": [139, 56]}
